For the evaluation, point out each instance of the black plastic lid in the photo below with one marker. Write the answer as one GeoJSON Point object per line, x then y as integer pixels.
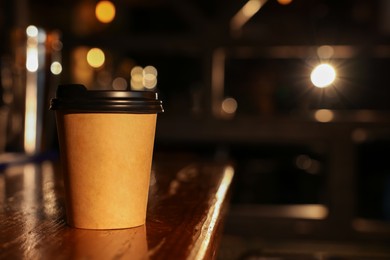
{"type": "Point", "coordinates": [76, 98]}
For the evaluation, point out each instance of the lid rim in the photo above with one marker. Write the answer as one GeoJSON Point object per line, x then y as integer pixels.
{"type": "Point", "coordinates": [76, 97]}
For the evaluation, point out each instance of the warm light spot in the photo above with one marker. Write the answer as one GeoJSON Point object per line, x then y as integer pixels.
{"type": "Point", "coordinates": [365, 115]}
{"type": "Point", "coordinates": [323, 115]}
{"type": "Point", "coordinates": [32, 31]}
{"type": "Point", "coordinates": [137, 71]}
{"type": "Point", "coordinates": [32, 63]}
{"type": "Point", "coordinates": [80, 70]}
{"type": "Point", "coordinates": [284, 2]}
{"type": "Point", "coordinates": [303, 162]}
{"type": "Point", "coordinates": [32, 58]}
{"type": "Point", "coordinates": [30, 131]}
{"type": "Point", "coordinates": [251, 7]}
{"type": "Point", "coordinates": [245, 13]}
{"type": "Point", "coordinates": [229, 105]}
{"type": "Point", "coordinates": [137, 78]}
{"type": "Point", "coordinates": [95, 57]}
{"type": "Point", "coordinates": [41, 36]}
{"type": "Point", "coordinates": [143, 77]}
{"type": "Point", "coordinates": [56, 68]}
{"type": "Point", "coordinates": [323, 75]}
{"type": "Point", "coordinates": [105, 11]}
{"type": "Point", "coordinates": [369, 226]}
{"type": "Point", "coordinates": [150, 72]}
{"type": "Point", "coordinates": [35, 41]}
{"type": "Point", "coordinates": [30, 120]}
{"type": "Point", "coordinates": [56, 45]}
{"type": "Point", "coordinates": [136, 81]}
{"type": "Point", "coordinates": [149, 77]}
{"type": "Point", "coordinates": [136, 85]}
{"type": "Point", "coordinates": [150, 84]}
{"type": "Point", "coordinates": [359, 135]}
{"type": "Point", "coordinates": [119, 83]}
{"type": "Point", "coordinates": [325, 51]}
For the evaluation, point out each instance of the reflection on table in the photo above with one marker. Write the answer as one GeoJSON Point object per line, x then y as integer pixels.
{"type": "Point", "coordinates": [187, 203]}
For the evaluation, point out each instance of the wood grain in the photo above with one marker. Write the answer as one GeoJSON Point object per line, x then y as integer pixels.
{"type": "Point", "coordinates": [187, 201]}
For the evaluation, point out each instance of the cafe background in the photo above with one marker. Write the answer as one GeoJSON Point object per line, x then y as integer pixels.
{"type": "Point", "coordinates": [239, 84]}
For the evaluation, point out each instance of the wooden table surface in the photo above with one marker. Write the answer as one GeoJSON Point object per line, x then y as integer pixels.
{"type": "Point", "coordinates": [187, 202]}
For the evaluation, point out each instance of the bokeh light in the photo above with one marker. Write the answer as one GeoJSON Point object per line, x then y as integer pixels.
{"type": "Point", "coordinates": [359, 135]}
{"type": "Point", "coordinates": [150, 72]}
{"type": "Point", "coordinates": [325, 52]}
{"type": "Point", "coordinates": [284, 2]}
{"type": "Point", "coordinates": [56, 68]}
{"type": "Point", "coordinates": [32, 31]}
{"type": "Point", "coordinates": [105, 11]}
{"type": "Point", "coordinates": [119, 83]}
{"type": "Point", "coordinates": [95, 57]}
{"type": "Point", "coordinates": [309, 165]}
{"type": "Point", "coordinates": [32, 55]}
{"type": "Point", "coordinates": [136, 78]}
{"type": "Point", "coordinates": [32, 59]}
{"type": "Point", "coordinates": [323, 75]}
{"type": "Point", "coordinates": [245, 13]}
{"type": "Point", "coordinates": [149, 77]}
{"type": "Point", "coordinates": [251, 7]}
{"type": "Point", "coordinates": [324, 115]}
{"type": "Point", "coordinates": [143, 78]}
{"type": "Point", "coordinates": [229, 105]}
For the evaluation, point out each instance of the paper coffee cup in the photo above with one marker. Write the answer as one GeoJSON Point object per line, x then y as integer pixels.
{"type": "Point", "coordinates": [106, 141]}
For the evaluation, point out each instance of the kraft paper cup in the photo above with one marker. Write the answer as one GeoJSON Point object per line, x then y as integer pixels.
{"type": "Point", "coordinates": [106, 141]}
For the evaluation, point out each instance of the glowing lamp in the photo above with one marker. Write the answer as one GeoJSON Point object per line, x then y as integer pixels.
{"type": "Point", "coordinates": [323, 75]}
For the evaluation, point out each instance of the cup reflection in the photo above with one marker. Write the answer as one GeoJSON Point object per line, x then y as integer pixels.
{"type": "Point", "coordinates": [109, 244]}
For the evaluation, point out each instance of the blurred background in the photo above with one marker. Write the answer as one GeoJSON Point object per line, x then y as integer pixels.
{"type": "Point", "coordinates": [294, 93]}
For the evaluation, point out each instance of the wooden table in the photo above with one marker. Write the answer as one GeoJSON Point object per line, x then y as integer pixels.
{"type": "Point", "coordinates": [187, 202]}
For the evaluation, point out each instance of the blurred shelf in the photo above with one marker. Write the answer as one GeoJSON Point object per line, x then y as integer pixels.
{"type": "Point", "coordinates": [297, 127]}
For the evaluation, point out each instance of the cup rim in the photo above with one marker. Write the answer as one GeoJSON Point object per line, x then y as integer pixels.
{"type": "Point", "coordinates": [77, 98]}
